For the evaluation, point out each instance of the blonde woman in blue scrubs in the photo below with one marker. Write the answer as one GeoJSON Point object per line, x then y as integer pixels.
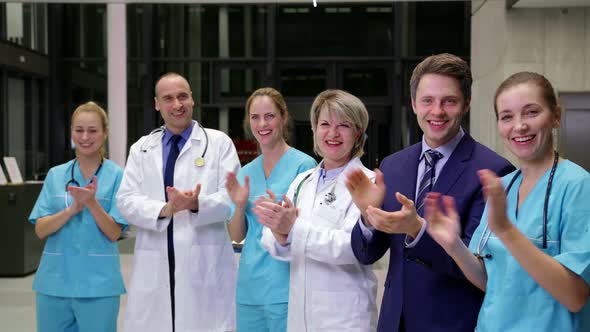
{"type": "Point", "coordinates": [79, 281]}
{"type": "Point", "coordinates": [263, 282]}
{"type": "Point", "coordinates": [531, 251]}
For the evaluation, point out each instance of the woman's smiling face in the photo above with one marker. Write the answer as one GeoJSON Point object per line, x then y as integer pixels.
{"type": "Point", "coordinates": [335, 139]}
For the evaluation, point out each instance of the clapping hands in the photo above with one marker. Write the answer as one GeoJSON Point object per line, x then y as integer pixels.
{"type": "Point", "coordinates": [278, 217]}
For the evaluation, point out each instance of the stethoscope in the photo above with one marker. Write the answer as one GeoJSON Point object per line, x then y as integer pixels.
{"type": "Point", "coordinates": [74, 182]}
{"type": "Point", "coordinates": [329, 198]}
{"type": "Point", "coordinates": [153, 139]}
{"type": "Point", "coordinates": [483, 240]}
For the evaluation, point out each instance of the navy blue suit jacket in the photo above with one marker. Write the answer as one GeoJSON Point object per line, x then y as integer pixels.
{"type": "Point", "coordinates": [423, 283]}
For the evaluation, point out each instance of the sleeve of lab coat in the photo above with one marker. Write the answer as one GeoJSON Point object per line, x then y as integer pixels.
{"type": "Point", "coordinates": [273, 247]}
{"type": "Point", "coordinates": [216, 207]}
{"type": "Point", "coordinates": [136, 207]}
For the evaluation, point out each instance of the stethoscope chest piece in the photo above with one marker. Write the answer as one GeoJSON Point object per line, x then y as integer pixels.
{"type": "Point", "coordinates": [330, 198]}
{"type": "Point", "coordinates": [200, 162]}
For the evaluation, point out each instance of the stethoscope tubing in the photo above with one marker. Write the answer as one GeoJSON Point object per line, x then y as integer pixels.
{"type": "Point", "coordinates": [73, 181]}
{"type": "Point", "coordinates": [162, 129]}
{"type": "Point", "coordinates": [483, 240]}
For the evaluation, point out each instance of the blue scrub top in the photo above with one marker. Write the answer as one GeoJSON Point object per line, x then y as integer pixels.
{"type": "Point", "coordinates": [261, 278]}
{"type": "Point", "coordinates": [79, 260]}
{"type": "Point", "coordinates": [513, 300]}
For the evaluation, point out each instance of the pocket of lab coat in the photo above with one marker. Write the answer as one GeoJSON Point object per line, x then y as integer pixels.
{"type": "Point", "coordinates": [205, 264]}
{"type": "Point", "coordinates": [339, 311]}
{"type": "Point", "coordinates": [146, 266]}
{"type": "Point", "coordinates": [330, 216]}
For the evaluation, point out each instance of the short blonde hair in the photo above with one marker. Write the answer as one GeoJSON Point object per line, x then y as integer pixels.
{"type": "Point", "coordinates": [92, 107]}
{"type": "Point", "coordinates": [346, 107]}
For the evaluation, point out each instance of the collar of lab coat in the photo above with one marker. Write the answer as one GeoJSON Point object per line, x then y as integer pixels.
{"type": "Point", "coordinates": [198, 134]}
{"type": "Point", "coordinates": [341, 178]}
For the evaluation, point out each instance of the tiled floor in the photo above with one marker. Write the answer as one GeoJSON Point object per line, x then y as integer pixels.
{"type": "Point", "coordinates": [17, 300]}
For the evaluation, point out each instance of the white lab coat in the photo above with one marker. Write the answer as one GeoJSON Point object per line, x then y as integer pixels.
{"type": "Point", "coordinates": [205, 271]}
{"type": "Point", "coordinates": [329, 289]}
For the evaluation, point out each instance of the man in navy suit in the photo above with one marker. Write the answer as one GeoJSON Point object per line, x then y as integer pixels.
{"type": "Point", "coordinates": [425, 290]}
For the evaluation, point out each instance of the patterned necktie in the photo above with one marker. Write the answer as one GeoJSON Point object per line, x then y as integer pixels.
{"type": "Point", "coordinates": [169, 182]}
{"type": "Point", "coordinates": [430, 158]}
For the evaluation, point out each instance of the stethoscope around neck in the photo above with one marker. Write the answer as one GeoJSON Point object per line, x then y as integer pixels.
{"type": "Point", "coordinates": [150, 143]}
{"type": "Point", "coordinates": [329, 198]}
{"type": "Point", "coordinates": [74, 182]}
{"type": "Point", "coordinates": [485, 236]}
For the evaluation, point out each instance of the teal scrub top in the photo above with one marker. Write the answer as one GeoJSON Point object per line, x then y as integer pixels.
{"type": "Point", "coordinates": [79, 260]}
{"type": "Point", "coordinates": [261, 278]}
{"type": "Point", "coordinates": [513, 300]}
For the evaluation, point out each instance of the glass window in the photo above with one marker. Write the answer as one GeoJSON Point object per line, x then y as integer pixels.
{"type": "Point", "coordinates": [246, 31]}
{"type": "Point", "coordinates": [210, 117]}
{"type": "Point", "coordinates": [366, 81]}
{"type": "Point", "coordinates": [239, 82]}
{"type": "Point", "coordinates": [236, 120]}
{"type": "Point", "coordinates": [334, 30]}
{"type": "Point", "coordinates": [210, 30]}
{"type": "Point", "coordinates": [25, 128]}
{"type": "Point", "coordinates": [84, 31]}
{"type": "Point", "coordinates": [26, 25]}
{"type": "Point", "coordinates": [302, 81]}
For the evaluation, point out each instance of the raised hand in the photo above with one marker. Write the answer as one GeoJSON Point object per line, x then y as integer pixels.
{"type": "Point", "coordinates": [363, 191]}
{"type": "Point", "coordinates": [404, 221]}
{"type": "Point", "coordinates": [495, 196]}
{"type": "Point", "coordinates": [443, 226]}
{"type": "Point", "coordinates": [237, 193]}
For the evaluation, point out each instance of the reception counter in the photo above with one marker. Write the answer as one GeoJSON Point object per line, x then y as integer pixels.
{"type": "Point", "coordinates": [20, 248]}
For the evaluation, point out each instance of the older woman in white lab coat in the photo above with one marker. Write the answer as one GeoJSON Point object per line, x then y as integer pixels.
{"type": "Point", "coordinates": [329, 289]}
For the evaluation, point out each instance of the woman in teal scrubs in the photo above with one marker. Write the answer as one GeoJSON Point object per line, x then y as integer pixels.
{"type": "Point", "coordinates": [263, 282]}
{"type": "Point", "coordinates": [79, 281]}
{"type": "Point", "coordinates": [531, 251]}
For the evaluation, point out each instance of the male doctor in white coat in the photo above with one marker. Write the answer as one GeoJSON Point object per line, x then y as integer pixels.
{"type": "Point", "coordinates": [184, 272]}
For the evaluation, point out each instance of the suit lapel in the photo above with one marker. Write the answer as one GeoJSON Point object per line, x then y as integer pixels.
{"type": "Point", "coordinates": [409, 172]}
{"type": "Point", "coordinates": [455, 166]}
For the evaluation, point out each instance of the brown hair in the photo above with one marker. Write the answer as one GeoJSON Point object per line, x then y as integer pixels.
{"type": "Point", "coordinates": [92, 107]}
{"type": "Point", "coordinates": [347, 107]}
{"type": "Point", "coordinates": [528, 77]}
{"type": "Point", "coordinates": [443, 64]}
{"type": "Point", "coordinates": [278, 101]}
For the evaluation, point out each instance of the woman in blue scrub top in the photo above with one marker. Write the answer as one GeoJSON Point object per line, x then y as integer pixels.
{"type": "Point", "coordinates": [531, 251]}
{"type": "Point", "coordinates": [79, 281]}
{"type": "Point", "coordinates": [263, 282]}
